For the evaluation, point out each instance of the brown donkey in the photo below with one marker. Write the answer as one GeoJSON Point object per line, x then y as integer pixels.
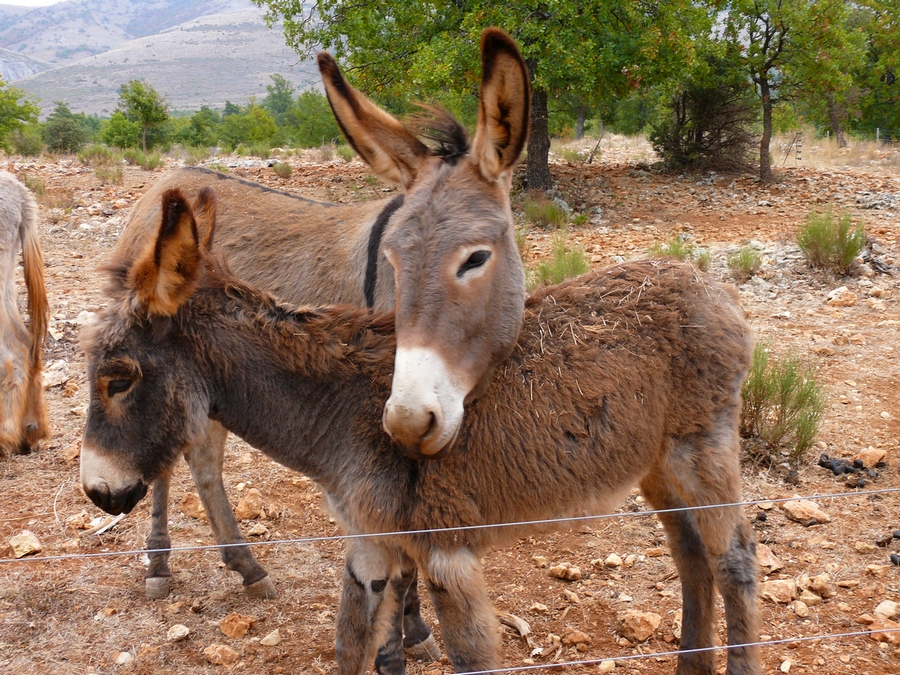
{"type": "Point", "coordinates": [459, 277]}
{"type": "Point", "coordinates": [23, 412]}
{"type": "Point", "coordinates": [627, 376]}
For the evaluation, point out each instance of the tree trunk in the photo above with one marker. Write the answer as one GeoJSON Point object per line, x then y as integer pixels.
{"type": "Point", "coordinates": [144, 139]}
{"type": "Point", "coordinates": [537, 168]}
{"type": "Point", "coordinates": [580, 119]}
{"type": "Point", "coordinates": [834, 119]}
{"type": "Point", "coordinates": [765, 162]}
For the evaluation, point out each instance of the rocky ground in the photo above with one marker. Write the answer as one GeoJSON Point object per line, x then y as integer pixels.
{"type": "Point", "coordinates": [824, 573]}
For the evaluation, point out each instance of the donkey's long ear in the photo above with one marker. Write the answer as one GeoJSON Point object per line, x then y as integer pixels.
{"type": "Point", "coordinates": [165, 275]}
{"type": "Point", "coordinates": [505, 106]}
{"type": "Point", "coordinates": [392, 151]}
{"type": "Point", "coordinates": [205, 212]}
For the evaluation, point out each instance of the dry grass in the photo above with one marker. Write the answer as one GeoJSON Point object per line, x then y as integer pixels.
{"type": "Point", "coordinates": [825, 152]}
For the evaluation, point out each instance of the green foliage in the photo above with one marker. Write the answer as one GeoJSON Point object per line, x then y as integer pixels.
{"type": "Point", "coordinates": [109, 174]}
{"type": "Point", "coordinates": [310, 122]}
{"type": "Point", "coordinates": [829, 243]}
{"type": "Point", "coordinates": [543, 212]}
{"type": "Point", "coordinates": [62, 131]}
{"type": "Point", "coordinates": [196, 154]}
{"type": "Point", "coordinates": [783, 404]}
{"type": "Point", "coordinates": [744, 263]}
{"type": "Point", "coordinates": [26, 141]}
{"type": "Point", "coordinates": [345, 152]}
{"type": "Point", "coordinates": [148, 161]}
{"type": "Point", "coordinates": [17, 110]}
{"type": "Point", "coordinates": [280, 98]}
{"type": "Point", "coordinates": [94, 155]}
{"type": "Point", "coordinates": [120, 132]}
{"type": "Point", "coordinates": [565, 263]}
{"type": "Point", "coordinates": [707, 121]}
{"type": "Point", "coordinates": [252, 125]}
{"type": "Point", "coordinates": [36, 185]}
{"type": "Point", "coordinates": [142, 105]}
{"type": "Point", "coordinates": [282, 170]}
{"type": "Point", "coordinates": [201, 129]}
{"type": "Point", "coordinates": [680, 249]}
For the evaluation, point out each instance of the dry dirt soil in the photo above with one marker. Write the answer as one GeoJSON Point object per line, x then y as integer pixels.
{"type": "Point", "coordinates": [84, 614]}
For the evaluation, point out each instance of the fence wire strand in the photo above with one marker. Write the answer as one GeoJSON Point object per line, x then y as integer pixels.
{"type": "Point", "coordinates": [460, 528]}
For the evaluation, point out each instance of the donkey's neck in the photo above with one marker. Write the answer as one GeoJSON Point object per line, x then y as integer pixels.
{"type": "Point", "coordinates": [293, 383]}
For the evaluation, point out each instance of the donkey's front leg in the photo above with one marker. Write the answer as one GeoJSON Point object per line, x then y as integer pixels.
{"type": "Point", "coordinates": [205, 461]}
{"type": "Point", "coordinates": [156, 582]}
{"type": "Point", "coordinates": [468, 622]}
{"type": "Point", "coordinates": [369, 604]}
{"type": "Point", "coordinates": [407, 633]}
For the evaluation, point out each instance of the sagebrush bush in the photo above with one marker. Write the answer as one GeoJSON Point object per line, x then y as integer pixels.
{"type": "Point", "coordinates": [783, 404]}
{"type": "Point", "coordinates": [831, 243]}
{"type": "Point", "coordinates": [282, 169]}
{"type": "Point", "coordinates": [346, 152]}
{"type": "Point", "coordinates": [543, 212]}
{"type": "Point", "coordinates": [680, 249]}
{"type": "Point", "coordinates": [196, 154]}
{"type": "Point", "coordinates": [97, 154]}
{"type": "Point", "coordinates": [109, 174]}
{"type": "Point", "coordinates": [36, 185]}
{"type": "Point", "coordinates": [565, 262]}
{"type": "Point", "coordinates": [744, 263]}
{"type": "Point", "coordinates": [26, 142]}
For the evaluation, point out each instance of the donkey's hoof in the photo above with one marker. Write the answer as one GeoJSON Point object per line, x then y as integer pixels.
{"type": "Point", "coordinates": [426, 650]}
{"type": "Point", "coordinates": [263, 589]}
{"type": "Point", "coordinates": [156, 588]}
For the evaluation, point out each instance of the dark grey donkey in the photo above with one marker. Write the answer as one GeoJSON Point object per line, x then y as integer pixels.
{"type": "Point", "coordinates": [627, 376]}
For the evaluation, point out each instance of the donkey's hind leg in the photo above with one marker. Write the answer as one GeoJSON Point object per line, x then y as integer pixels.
{"type": "Point", "coordinates": [206, 461]}
{"type": "Point", "coordinates": [703, 470]}
{"type": "Point", "coordinates": [694, 573]}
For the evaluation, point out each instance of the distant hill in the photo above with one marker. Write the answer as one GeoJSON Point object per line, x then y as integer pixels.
{"type": "Point", "coordinates": [14, 66]}
{"type": "Point", "coordinates": [68, 31]}
{"type": "Point", "coordinates": [206, 61]}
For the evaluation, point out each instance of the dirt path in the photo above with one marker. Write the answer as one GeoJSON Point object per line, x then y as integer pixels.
{"type": "Point", "coordinates": [89, 615]}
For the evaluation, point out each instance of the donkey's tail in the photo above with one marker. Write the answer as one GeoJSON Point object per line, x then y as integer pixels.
{"type": "Point", "coordinates": [35, 422]}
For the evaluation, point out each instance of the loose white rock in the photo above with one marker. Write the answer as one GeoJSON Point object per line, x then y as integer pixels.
{"type": "Point", "coordinates": [177, 632]}
{"type": "Point", "coordinates": [804, 511]}
{"type": "Point", "coordinates": [25, 543]}
{"type": "Point", "coordinates": [271, 639]}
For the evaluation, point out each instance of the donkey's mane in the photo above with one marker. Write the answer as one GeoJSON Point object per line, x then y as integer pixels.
{"type": "Point", "coordinates": [436, 124]}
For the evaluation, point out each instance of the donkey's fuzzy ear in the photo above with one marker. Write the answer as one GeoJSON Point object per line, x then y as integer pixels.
{"type": "Point", "coordinates": [205, 211]}
{"type": "Point", "coordinates": [393, 152]}
{"type": "Point", "coordinates": [165, 275]}
{"type": "Point", "coordinates": [504, 108]}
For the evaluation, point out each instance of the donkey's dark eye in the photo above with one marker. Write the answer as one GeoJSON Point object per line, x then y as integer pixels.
{"type": "Point", "coordinates": [477, 259]}
{"type": "Point", "coordinates": [114, 387]}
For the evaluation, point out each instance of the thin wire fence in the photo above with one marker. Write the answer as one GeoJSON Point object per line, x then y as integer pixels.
{"type": "Point", "coordinates": [461, 528]}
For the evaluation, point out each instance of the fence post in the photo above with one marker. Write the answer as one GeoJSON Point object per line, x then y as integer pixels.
{"type": "Point", "coordinates": [877, 136]}
{"type": "Point", "coordinates": [799, 145]}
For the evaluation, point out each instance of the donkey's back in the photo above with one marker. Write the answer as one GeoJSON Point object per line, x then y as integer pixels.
{"type": "Point", "coordinates": [310, 249]}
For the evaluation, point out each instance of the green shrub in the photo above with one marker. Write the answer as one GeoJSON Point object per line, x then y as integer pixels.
{"type": "Point", "coordinates": [109, 174]}
{"type": "Point", "coordinates": [783, 404]}
{"type": "Point", "coordinates": [217, 166]}
{"type": "Point", "coordinates": [346, 152]}
{"type": "Point", "coordinates": [681, 250]}
{"type": "Point", "coordinates": [36, 185]}
{"type": "Point", "coordinates": [282, 170]}
{"type": "Point", "coordinates": [26, 142]}
{"type": "Point", "coordinates": [565, 263]}
{"type": "Point", "coordinates": [829, 243]}
{"type": "Point", "coordinates": [148, 161]}
{"type": "Point", "coordinates": [580, 219]}
{"type": "Point", "coordinates": [63, 133]}
{"type": "Point", "coordinates": [196, 154]}
{"type": "Point", "coordinates": [543, 212]}
{"type": "Point", "coordinates": [97, 154]}
{"type": "Point", "coordinates": [260, 149]}
{"type": "Point", "coordinates": [744, 263]}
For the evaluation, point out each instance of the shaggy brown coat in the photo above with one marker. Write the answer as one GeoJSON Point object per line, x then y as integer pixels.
{"type": "Point", "coordinates": [626, 376]}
